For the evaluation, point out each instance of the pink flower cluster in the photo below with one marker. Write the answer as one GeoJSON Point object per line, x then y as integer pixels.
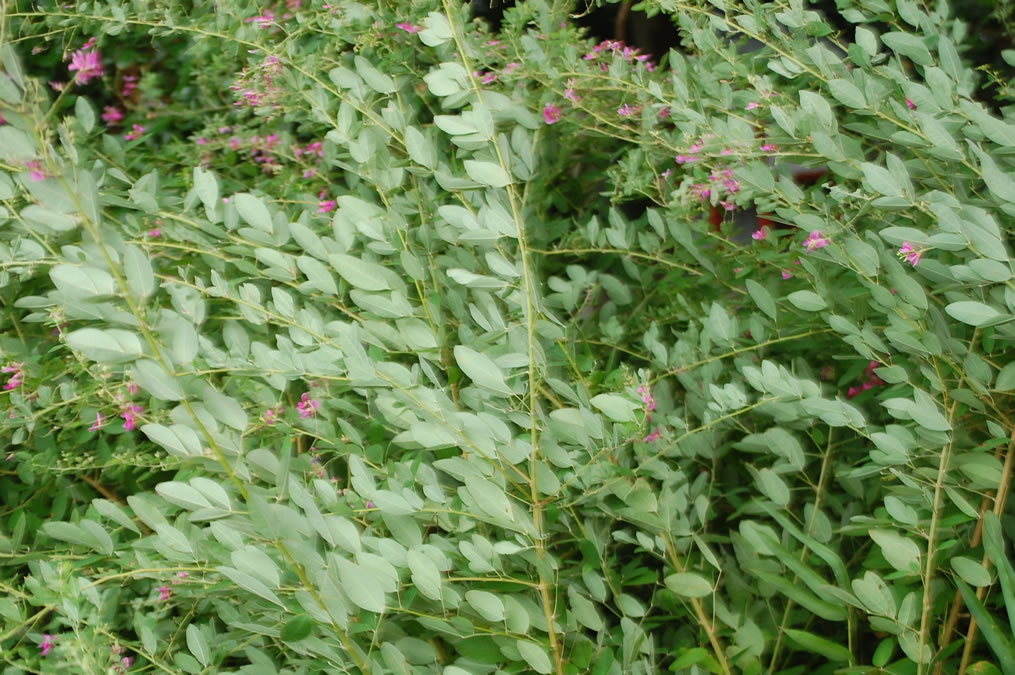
{"type": "Point", "coordinates": [86, 62]}
{"type": "Point", "coordinates": [129, 415]}
{"type": "Point", "coordinates": [17, 375]}
{"type": "Point", "coordinates": [257, 87]}
{"type": "Point", "coordinates": [646, 398]}
{"type": "Point", "coordinates": [870, 380]}
{"type": "Point", "coordinates": [815, 240]}
{"type": "Point", "coordinates": [721, 182]}
{"type": "Point", "coordinates": [35, 172]}
{"type": "Point", "coordinates": [129, 85]}
{"type": "Point", "coordinates": [408, 27]}
{"type": "Point", "coordinates": [307, 406]}
{"type": "Point", "coordinates": [47, 644]}
{"type": "Point", "coordinates": [271, 415]}
{"type": "Point", "coordinates": [551, 113]}
{"type": "Point", "coordinates": [136, 131]}
{"type": "Point", "coordinates": [910, 254]}
{"type": "Point", "coordinates": [112, 115]}
{"type": "Point", "coordinates": [617, 47]}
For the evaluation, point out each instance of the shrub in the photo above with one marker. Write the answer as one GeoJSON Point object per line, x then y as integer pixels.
{"type": "Point", "coordinates": [330, 347]}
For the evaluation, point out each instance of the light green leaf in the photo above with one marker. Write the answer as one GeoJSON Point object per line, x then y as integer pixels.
{"type": "Point", "coordinates": [421, 149]}
{"type": "Point", "coordinates": [972, 572]}
{"type": "Point", "coordinates": [137, 267]}
{"type": "Point", "coordinates": [115, 513]}
{"type": "Point", "coordinates": [179, 440]}
{"type": "Point", "coordinates": [617, 408]}
{"type": "Point", "coordinates": [535, 655]}
{"type": "Point", "coordinates": [487, 173]}
{"type": "Point", "coordinates": [832, 651]}
{"type": "Point", "coordinates": [207, 187]}
{"type": "Point", "coordinates": [85, 113]}
{"type": "Point", "coordinates": [361, 586]}
{"type": "Point", "coordinates": [809, 301]}
{"type": "Point", "coordinates": [881, 179]}
{"type": "Point", "coordinates": [153, 378]}
{"type": "Point", "coordinates": [488, 605]}
{"type": "Point", "coordinates": [908, 45]}
{"type": "Point", "coordinates": [254, 211]}
{"type": "Point", "coordinates": [901, 552]}
{"type": "Point", "coordinates": [689, 585]}
{"type": "Point", "coordinates": [183, 495]}
{"type": "Point", "coordinates": [974, 313]}
{"type": "Point", "coordinates": [425, 575]}
{"type": "Point", "coordinates": [847, 93]}
{"type": "Point", "coordinates": [198, 645]}
{"type": "Point", "coordinates": [368, 276]}
{"type": "Point", "coordinates": [249, 583]}
{"type": "Point", "coordinates": [762, 298]}
{"type": "Point", "coordinates": [105, 346]}
{"type": "Point", "coordinates": [481, 370]}
{"type": "Point", "coordinates": [374, 78]}
{"type": "Point", "coordinates": [82, 282]}
{"type": "Point", "coordinates": [225, 409]}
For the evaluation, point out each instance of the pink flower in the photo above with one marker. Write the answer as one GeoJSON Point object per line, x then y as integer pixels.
{"type": "Point", "coordinates": [17, 374]}
{"type": "Point", "coordinates": [35, 170]}
{"type": "Point", "coordinates": [326, 206]}
{"type": "Point", "coordinates": [816, 240]}
{"type": "Point", "coordinates": [155, 233]}
{"type": "Point", "coordinates": [47, 644]}
{"type": "Point", "coordinates": [111, 115]}
{"type": "Point", "coordinates": [135, 132]}
{"type": "Point", "coordinates": [98, 422]}
{"type": "Point", "coordinates": [128, 661]}
{"type": "Point", "coordinates": [307, 406]}
{"type": "Point", "coordinates": [760, 233]}
{"type": "Point", "coordinates": [488, 77]}
{"type": "Point", "coordinates": [685, 159]}
{"type": "Point", "coordinates": [786, 275]}
{"type": "Point", "coordinates": [133, 388]}
{"type": "Point", "coordinates": [270, 416]}
{"type": "Point", "coordinates": [654, 436]}
{"type": "Point", "coordinates": [511, 67]}
{"type": "Point", "coordinates": [408, 27]}
{"type": "Point", "coordinates": [264, 20]}
{"type": "Point", "coordinates": [201, 140]}
{"type": "Point", "coordinates": [129, 85]}
{"type": "Point", "coordinates": [551, 113]}
{"type": "Point", "coordinates": [570, 95]}
{"type": "Point", "coordinates": [2, 120]}
{"type": "Point", "coordinates": [728, 204]}
{"type": "Point", "coordinates": [664, 113]}
{"type": "Point", "coordinates": [701, 191]}
{"type": "Point", "coordinates": [910, 104]}
{"type": "Point", "coordinates": [768, 147]}
{"type": "Point", "coordinates": [88, 65]}
{"type": "Point", "coordinates": [129, 416]}
{"type": "Point", "coordinates": [646, 398]}
{"type": "Point", "coordinates": [752, 105]}
{"type": "Point", "coordinates": [910, 254]}
{"type": "Point", "coordinates": [165, 593]}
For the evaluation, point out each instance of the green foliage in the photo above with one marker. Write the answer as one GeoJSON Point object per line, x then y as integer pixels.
{"type": "Point", "coordinates": [339, 349]}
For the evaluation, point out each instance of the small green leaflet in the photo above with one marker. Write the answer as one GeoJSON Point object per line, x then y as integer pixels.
{"type": "Point", "coordinates": [481, 370]}
{"type": "Point", "coordinates": [689, 585]}
{"type": "Point", "coordinates": [762, 298]}
{"type": "Point", "coordinates": [535, 655]}
{"type": "Point", "coordinates": [198, 645]}
{"type": "Point", "coordinates": [254, 211]}
{"type": "Point", "coordinates": [368, 276]}
{"type": "Point", "coordinates": [249, 583]}
{"type": "Point", "coordinates": [105, 346]}
{"type": "Point", "coordinates": [809, 301]}
{"type": "Point", "coordinates": [617, 408]}
{"type": "Point", "coordinates": [975, 313]}
{"type": "Point", "coordinates": [487, 173]}
{"type": "Point", "coordinates": [153, 378]}
{"type": "Point", "coordinates": [140, 279]}
{"type": "Point", "coordinates": [425, 575]}
{"type": "Point", "coordinates": [488, 605]}
{"type": "Point", "coordinates": [847, 93]}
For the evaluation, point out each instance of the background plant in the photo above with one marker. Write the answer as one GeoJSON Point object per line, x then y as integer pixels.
{"type": "Point", "coordinates": [329, 347]}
